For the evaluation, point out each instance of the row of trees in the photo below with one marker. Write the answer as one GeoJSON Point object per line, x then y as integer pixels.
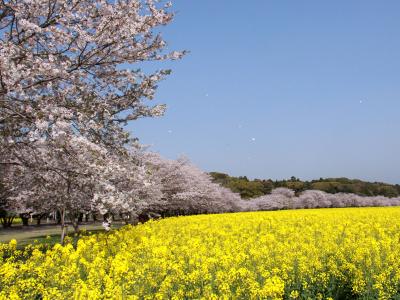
{"type": "Point", "coordinates": [142, 183]}
{"type": "Point", "coordinates": [255, 188]}
{"type": "Point", "coordinates": [148, 184]}
{"type": "Point", "coordinates": [284, 198]}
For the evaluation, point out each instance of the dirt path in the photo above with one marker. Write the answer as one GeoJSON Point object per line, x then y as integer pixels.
{"type": "Point", "coordinates": [47, 232]}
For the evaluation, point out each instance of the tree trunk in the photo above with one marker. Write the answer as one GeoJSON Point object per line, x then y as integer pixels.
{"type": "Point", "coordinates": [75, 223]}
{"type": "Point", "coordinates": [75, 218]}
{"type": "Point", "coordinates": [58, 217]}
{"type": "Point", "coordinates": [25, 219]}
{"type": "Point", "coordinates": [7, 221]}
{"type": "Point", "coordinates": [39, 218]}
{"type": "Point", "coordinates": [63, 226]}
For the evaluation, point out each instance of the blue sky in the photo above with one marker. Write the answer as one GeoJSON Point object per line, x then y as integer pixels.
{"type": "Point", "coordinates": [272, 89]}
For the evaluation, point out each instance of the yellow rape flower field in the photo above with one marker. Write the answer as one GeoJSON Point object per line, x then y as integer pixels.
{"type": "Point", "coordinates": [305, 254]}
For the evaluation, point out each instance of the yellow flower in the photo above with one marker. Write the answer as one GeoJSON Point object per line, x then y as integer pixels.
{"type": "Point", "coordinates": [13, 244]}
{"type": "Point", "coordinates": [259, 255]}
{"type": "Point", "coordinates": [294, 294]}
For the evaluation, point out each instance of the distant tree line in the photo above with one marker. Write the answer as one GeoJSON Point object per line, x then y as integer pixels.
{"type": "Point", "coordinates": [284, 198]}
{"type": "Point", "coordinates": [259, 187]}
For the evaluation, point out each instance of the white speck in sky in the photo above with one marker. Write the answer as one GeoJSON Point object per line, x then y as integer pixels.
{"type": "Point", "coordinates": [361, 101]}
{"type": "Point", "coordinates": [170, 131]}
{"type": "Point", "coordinates": [253, 139]}
{"type": "Point", "coordinates": [207, 95]}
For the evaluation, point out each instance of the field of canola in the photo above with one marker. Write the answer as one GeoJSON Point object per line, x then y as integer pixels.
{"type": "Point", "coordinates": [305, 254]}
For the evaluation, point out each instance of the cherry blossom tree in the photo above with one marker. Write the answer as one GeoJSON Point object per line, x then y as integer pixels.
{"type": "Point", "coordinates": [69, 82]}
{"type": "Point", "coordinates": [313, 199]}
{"type": "Point", "coordinates": [188, 190]}
{"type": "Point", "coordinates": [73, 62]}
{"type": "Point", "coordinates": [7, 208]}
{"type": "Point", "coordinates": [280, 198]}
{"type": "Point", "coordinates": [7, 213]}
{"type": "Point", "coordinates": [59, 176]}
{"type": "Point", "coordinates": [73, 176]}
{"type": "Point", "coordinates": [127, 186]}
